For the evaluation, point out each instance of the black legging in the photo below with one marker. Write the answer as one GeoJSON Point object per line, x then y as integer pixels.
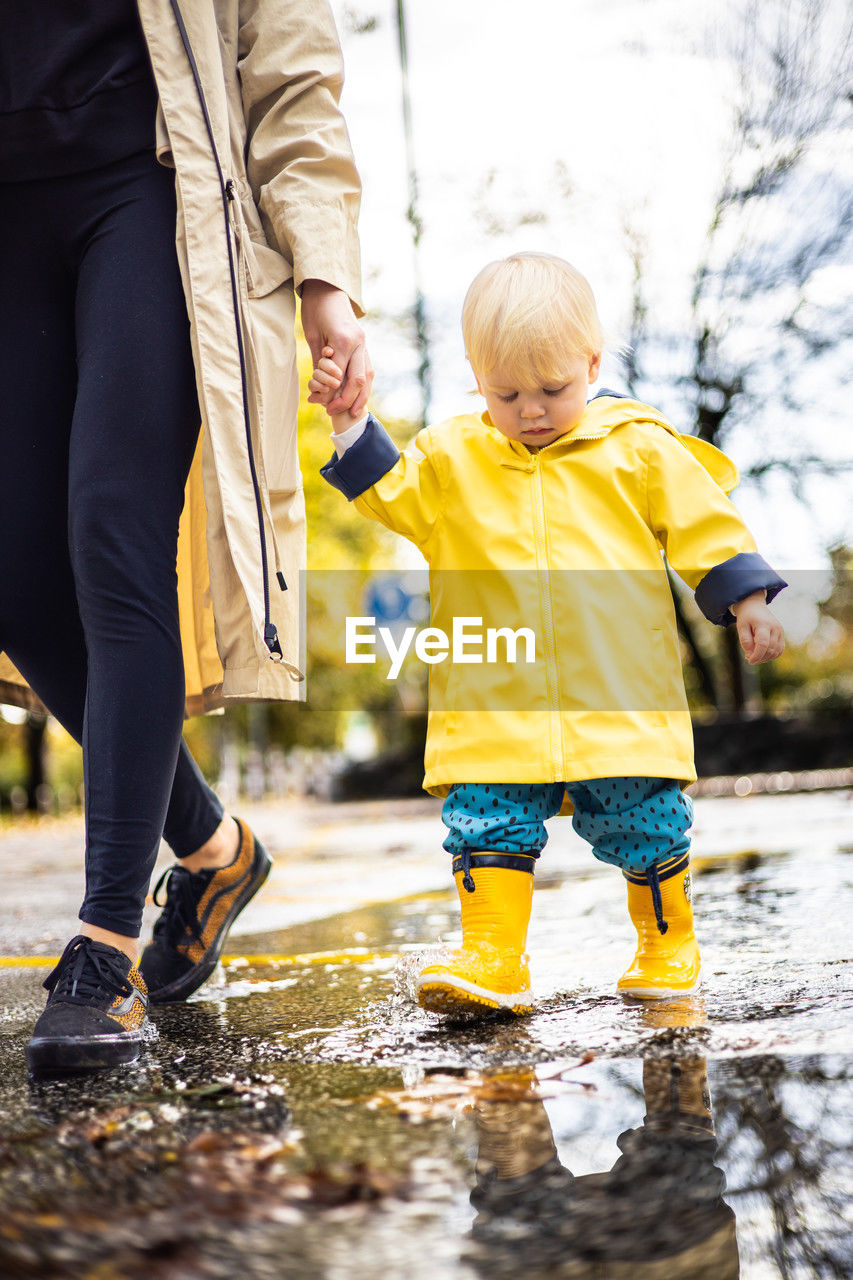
{"type": "Point", "coordinates": [99, 419]}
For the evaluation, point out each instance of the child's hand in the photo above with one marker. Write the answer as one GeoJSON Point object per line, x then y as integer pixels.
{"type": "Point", "coordinates": [759, 631]}
{"type": "Point", "coordinates": [325, 381]}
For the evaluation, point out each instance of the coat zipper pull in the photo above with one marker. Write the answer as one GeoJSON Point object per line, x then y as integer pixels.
{"type": "Point", "coordinates": [272, 643]}
{"type": "Point", "coordinates": [229, 189]}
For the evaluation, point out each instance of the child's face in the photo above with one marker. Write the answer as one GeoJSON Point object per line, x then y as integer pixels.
{"type": "Point", "coordinates": [540, 416]}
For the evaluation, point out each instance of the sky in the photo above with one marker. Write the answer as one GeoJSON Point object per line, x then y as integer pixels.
{"type": "Point", "coordinates": [551, 125]}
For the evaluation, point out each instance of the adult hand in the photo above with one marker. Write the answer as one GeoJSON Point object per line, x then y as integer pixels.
{"type": "Point", "coordinates": [328, 321]}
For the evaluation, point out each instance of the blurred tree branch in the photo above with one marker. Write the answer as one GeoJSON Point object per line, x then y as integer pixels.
{"type": "Point", "coordinates": [767, 307]}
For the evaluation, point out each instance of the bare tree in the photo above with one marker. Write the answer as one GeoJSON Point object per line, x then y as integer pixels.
{"type": "Point", "coordinates": [762, 302]}
{"type": "Point", "coordinates": [769, 321]}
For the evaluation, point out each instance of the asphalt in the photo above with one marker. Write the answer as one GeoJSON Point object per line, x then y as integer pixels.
{"type": "Point", "coordinates": [301, 1117]}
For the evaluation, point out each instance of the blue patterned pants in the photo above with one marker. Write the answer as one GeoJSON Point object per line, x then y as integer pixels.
{"type": "Point", "coordinates": [633, 823]}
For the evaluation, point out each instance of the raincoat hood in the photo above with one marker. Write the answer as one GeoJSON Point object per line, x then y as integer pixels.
{"type": "Point", "coordinates": [606, 412]}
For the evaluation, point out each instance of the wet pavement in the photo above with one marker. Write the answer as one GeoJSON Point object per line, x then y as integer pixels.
{"type": "Point", "coordinates": [301, 1117]}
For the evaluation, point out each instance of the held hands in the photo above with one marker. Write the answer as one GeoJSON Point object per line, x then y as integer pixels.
{"type": "Point", "coordinates": [325, 381]}
{"type": "Point", "coordinates": [759, 631]}
{"type": "Point", "coordinates": [328, 321]}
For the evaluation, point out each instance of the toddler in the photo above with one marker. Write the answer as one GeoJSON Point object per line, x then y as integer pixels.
{"type": "Point", "coordinates": [545, 518]}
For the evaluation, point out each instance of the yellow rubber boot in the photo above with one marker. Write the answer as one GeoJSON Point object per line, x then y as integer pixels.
{"type": "Point", "coordinates": [677, 1096]}
{"type": "Point", "coordinates": [513, 1130]}
{"type": "Point", "coordinates": [666, 964]}
{"type": "Point", "coordinates": [489, 970]}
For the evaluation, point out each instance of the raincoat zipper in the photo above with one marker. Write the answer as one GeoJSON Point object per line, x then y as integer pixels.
{"type": "Point", "coordinates": [227, 190]}
{"type": "Point", "coordinates": [551, 682]}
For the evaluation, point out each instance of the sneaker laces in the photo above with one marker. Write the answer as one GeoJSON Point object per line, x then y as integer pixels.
{"type": "Point", "coordinates": [88, 971]}
{"type": "Point", "coordinates": [179, 916]}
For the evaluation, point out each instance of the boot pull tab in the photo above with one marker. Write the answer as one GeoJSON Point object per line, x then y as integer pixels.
{"type": "Point", "coordinates": [654, 885]}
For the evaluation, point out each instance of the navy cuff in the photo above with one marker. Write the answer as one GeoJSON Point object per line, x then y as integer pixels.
{"type": "Point", "coordinates": [734, 580]}
{"type": "Point", "coordinates": [368, 460]}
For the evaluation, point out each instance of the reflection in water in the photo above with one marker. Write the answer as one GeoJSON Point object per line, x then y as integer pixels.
{"type": "Point", "coordinates": [281, 1125]}
{"type": "Point", "coordinates": [658, 1212]}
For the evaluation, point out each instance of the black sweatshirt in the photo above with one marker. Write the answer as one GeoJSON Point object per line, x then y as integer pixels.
{"type": "Point", "coordinates": [76, 86]}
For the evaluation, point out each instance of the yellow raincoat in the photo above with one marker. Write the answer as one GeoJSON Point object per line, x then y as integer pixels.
{"type": "Point", "coordinates": [567, 543]}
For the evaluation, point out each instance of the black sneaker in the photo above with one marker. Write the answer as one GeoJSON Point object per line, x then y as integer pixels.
{"type": "Point", "coordinates": [198, 911]}
{"type": "Point", "coordinates": [95, 1015]}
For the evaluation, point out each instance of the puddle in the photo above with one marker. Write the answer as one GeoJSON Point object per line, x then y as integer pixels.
{"type": "Point", "coordinates": [301, 1117]}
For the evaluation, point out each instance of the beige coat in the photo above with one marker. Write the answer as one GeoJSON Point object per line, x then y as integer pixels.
{"type": "Point", "coordinates": [273, 203]}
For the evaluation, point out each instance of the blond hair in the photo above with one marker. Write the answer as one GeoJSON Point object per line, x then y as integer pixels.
{"type": "Point", "coordinates": [526, 314]}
